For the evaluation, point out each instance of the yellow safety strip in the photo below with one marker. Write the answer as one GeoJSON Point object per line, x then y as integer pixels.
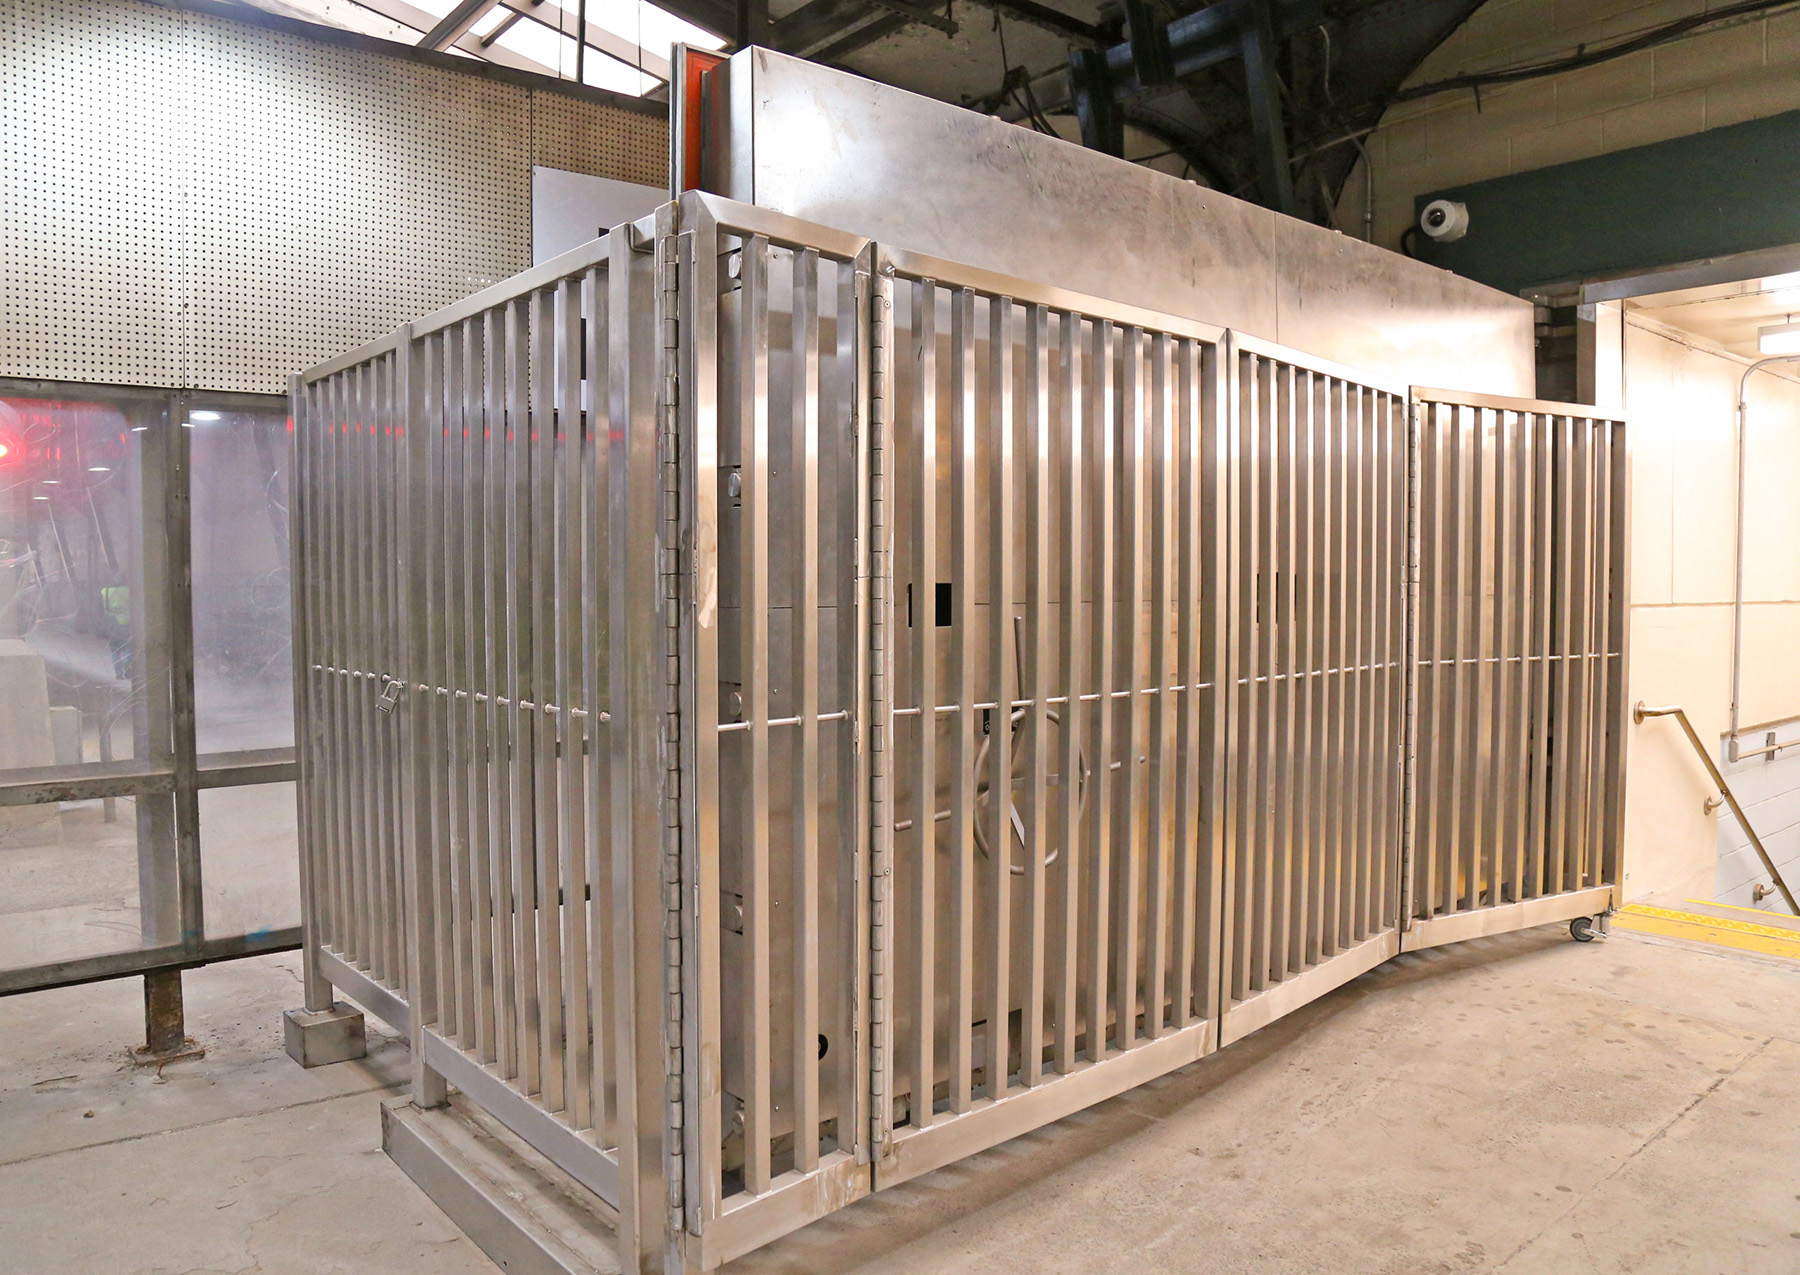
{"type": "Point", "coordinates": [1768, 940]}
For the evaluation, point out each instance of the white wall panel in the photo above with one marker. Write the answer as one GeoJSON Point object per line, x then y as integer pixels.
{"type": "Point", "coordinates": [196, 201]}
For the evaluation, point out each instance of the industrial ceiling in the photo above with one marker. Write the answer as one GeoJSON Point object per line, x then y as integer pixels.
{"type": "Point", "coordinates": [1262, 98]}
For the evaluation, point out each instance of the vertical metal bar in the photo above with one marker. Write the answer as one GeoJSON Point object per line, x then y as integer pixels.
{"type": "Point", "coordinates": [596, 633]}
{"type": "Point", "coordinates": [331, 601]}
{"type": "Point", "coordinates": [1359, 658]}
{"type": "Point", "coordinates": [496, 567]}
{"type": "Point", "coordinates": [1523, 603]}
{"type": "Point", "coordinates": [923, 1059]}
{"type": "Point", "coordinates": [1474, 629]}
{"type": "Point", "coordinates": [697, 267]}
{"type": "Point", "coordinates": [804, 435]}
{"type": "Point", "coordinates": [1187, 466]}
{"type": "Point", "coordinates": [444, 609]}
{"type": "Point", "coordinates": [1339, 843]}
{"type": "Point", "coordinates": [1001, 672]}
{"type": "Point", "coordinates": [1563, 646]}
{"type": "Point", "coordinates": [424, 457]}
{"type": "Point", "coordinates": [962, 807]}
{"type": "Point", "coordinates": [521, 643]}
{"type": "Point", "coordinates": [1543, 622]}
{"type": "Point", "coordinates": [1410, 608]}
{"type": "Point", "coordinates": [1427, 613]}
{"type": "Point", "coordinates": [1453, 598]}
{"type": "Point", "coordinates": [1286, 676]}
{"type": "Point", "coordinates": [570, 731]}
{"type": "Point", "coordinates": [1504, 782]}
{"type": "Point", "coordinates": [1129, 620]}
{"type": "Point", "coordinates": [1249, 466]}
{"type": "Point", "coordinates": [1581, 724]}
{"type": "Point", "coordinates": [540, 517]}
{"type": "Point", "coordinates": [654, 922]}
{"type": "Point", "coordinates": [1072, 422]}
{"type": "Point", "coordinates": [1102, 408]}
{"type": "Point", "coordinates": [1316, 691]}
{"type": "Point", "coordinates": [1618, 565]}
{"type": "Point", "coordinates": [753, 424]}
{"type": "Point", "coordinates": [865, 601]}
{"type": "Point", "coordinates": [1219, 480]}
{"type": "Point", "coordinates": [477, 674]}
{"type": "Point", "coordinates": [302, 529]}
{"type": "Point", "coordinates": [418, 847]}
{"type": "Point", "coordinates": [1160, 848]}
{"type": "Point", "coordinates": [1388, 576]}
{"type": "Point", "coordinates": [1265, 851]}
{"type": "Point", "coordinates": [368, 898]}
{"type": "Point", "coordinates": [390, 903]}
{"type": "Point", "coordinates": [1036, 674]}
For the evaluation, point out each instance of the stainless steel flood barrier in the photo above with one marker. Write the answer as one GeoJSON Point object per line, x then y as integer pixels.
{"type": "Point", "coordinates": [1317, 726]}
{"type": "Point", "coordinates": [785, 713]}
{"type": "Point", "coordinates": [1520, 641]}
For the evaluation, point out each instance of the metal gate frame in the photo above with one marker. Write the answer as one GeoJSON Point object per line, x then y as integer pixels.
{"type": "Point", "coordinates": [1151, 378]}
{"type": "Point", "coordinates": [384, 891]}
{"type": "Point", "coordinates": [1537, 449]}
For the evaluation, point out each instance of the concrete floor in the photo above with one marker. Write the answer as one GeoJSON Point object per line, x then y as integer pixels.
{"type": "Point", "coordinates": [1521, 1104]}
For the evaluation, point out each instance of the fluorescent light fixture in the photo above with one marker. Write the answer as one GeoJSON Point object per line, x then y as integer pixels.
{"type": "Point", "coordinates": [99, 469]}
{"type": "Point", "coordinates": [49, 482]}
{"type": "Point", "coordinates": [205, 416]}
{"type": "Point", "coordinates": [1776, 282]}
{"type": "Point", "coordinates": [40, 497]}
{"type": "Point", "coordinates": [1779, 338]}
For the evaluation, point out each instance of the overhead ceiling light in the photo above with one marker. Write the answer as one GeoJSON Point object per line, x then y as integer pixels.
{"type": "Point", "coordinates": [1779, 338]}
{"type": "Point", "coordinates": [40, 497]}
{"type": "Point", "coordinates": [206, 416]}
{"type": "Point", "coordinates": [1775, 282]}
{"type": "Point", "coordinates": [99, 469]}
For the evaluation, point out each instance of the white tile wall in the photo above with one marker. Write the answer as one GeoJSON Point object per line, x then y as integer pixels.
{"type": "Point", "coordinates": [1680, 401]}
{"type": "Point", "coordinates": [1769, 789]}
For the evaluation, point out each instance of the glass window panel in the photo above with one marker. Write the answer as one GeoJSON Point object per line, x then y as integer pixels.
{"type": "Point", "coordinates": [73, 884]}
{"type": "Point", "coordinates": [83, 675]}
{"type": "Point", "coordinates": [249, 871]}
{"type": "Point", "coordinates": [243, 653]}
{"type": "Point", "coordinates": [81, 679]}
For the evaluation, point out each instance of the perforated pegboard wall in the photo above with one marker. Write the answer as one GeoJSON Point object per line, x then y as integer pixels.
{"type": "Point", "coordinates": [577, 136]}
{"type": "Point", "coordinates": [90, 191]}
{"type": "Point", "coordinates": [195, 201]}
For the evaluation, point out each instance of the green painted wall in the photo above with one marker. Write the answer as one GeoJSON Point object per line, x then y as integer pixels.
{"type": "Point", "coordinates": [1728, 190]}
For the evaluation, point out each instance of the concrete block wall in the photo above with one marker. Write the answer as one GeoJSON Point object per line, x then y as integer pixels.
{"type": "Point", "coordinates": [1680, 398]}
{"type": "Point", "coordinates": [1723, 75]}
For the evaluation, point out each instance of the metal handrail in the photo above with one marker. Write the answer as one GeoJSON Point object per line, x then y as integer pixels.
{"type": "Point", "coordinates": [1641, 711]}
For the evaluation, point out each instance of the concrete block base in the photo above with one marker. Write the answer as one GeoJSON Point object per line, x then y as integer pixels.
{"type": "Point", "coordinates": [329, 1036]}
{"type": "Point", "coordinates": [526, 1214]}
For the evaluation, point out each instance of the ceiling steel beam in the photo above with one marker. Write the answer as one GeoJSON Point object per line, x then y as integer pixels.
{"type": "Point", "coordinates": [822, 24]}
{"type": "Point", "coordinates": [416, 18]}
{"type": "Point", "coordinates": [455, 24]}
{"type": "Point", "coordinates": [557, 18]}
{"type": "Point", "coordinates": [1052, 20]}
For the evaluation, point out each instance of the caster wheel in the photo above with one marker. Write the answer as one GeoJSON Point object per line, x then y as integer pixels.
{"type": "Point", "coordinates": [1581, 929]}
